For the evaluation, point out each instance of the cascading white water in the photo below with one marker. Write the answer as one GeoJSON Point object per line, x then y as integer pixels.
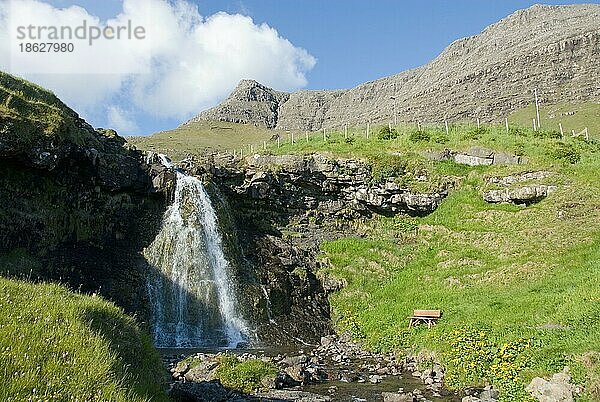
{"type": "Point", "coordinates": [191, 292]}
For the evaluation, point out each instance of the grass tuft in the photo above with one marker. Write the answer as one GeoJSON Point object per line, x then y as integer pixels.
{"type": "Point", "coordinates": [57, 345]}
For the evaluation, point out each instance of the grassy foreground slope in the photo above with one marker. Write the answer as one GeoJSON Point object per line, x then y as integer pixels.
{"type": "Point", "coordinates": [56, 345]}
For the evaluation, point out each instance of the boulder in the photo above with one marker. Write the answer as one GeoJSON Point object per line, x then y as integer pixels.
{"type": "Point", "coordinates": [207, 391]}
{"type": "Point", "coordinates": [558, 389]}
{"type": "Point", "coordinates": [204, 371]}
{"type": "Point", "coordinates": [503, 158]}
{"type": "Point", "coordinates": [519, 195]}
{"type": "Point", "coordinates": [396, 397]}
{"type": "Point", "coordinates": [489, 394]}
{"type": "Point", "coordinates": [529, 176]}
{"type": "Point", "coordinates": [471, 160]}
{"type": "Point", "coordinates": [481, 152]}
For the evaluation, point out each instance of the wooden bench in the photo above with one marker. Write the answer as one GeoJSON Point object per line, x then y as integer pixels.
{"type": "Point", "coordinates": [428, 317]}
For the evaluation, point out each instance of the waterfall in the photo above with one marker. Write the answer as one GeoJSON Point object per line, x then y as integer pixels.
{"type": "Point", "coordinates": [192, 293]}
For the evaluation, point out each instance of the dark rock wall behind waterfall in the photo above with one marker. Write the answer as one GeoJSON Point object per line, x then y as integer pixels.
{"type": "Point", "coordinates": [77, 205]}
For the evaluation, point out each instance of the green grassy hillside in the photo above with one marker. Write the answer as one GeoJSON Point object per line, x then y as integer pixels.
{"type": "Point", "coordinates": [56, 346]}
{"type": "Point", "coordinates": [519, 286]}
{"type": "Point", "coordinates": [29, 113]}
{"type": "Point", "coordinates": [572, 116]}
{"type": "Point", "coordinates": [197, 138]}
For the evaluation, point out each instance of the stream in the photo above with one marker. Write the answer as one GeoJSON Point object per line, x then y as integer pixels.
{"type": "Point", "coordinates": [351, 380]}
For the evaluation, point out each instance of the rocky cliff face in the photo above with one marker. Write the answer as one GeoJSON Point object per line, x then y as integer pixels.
{"type": "Point", "coordinates": [282, 208]}
{"type": "Point", "coordinates": [553, 48]}
{"type": "Point", "coordinates": [250, 103]}
{"type": "Point", "coordinates": [77, 205]}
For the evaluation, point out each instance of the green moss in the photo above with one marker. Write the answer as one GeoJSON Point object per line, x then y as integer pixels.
{"type": "Point", "coordinates": [30, 114]}
{"type": "Point", "coordinates": [245, 376]}
{"type": "Point", "coordinates": [57, 345]}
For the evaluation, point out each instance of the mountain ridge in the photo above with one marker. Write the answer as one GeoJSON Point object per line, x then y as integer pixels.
{"type": "Point", "coordinates": [553, 48]}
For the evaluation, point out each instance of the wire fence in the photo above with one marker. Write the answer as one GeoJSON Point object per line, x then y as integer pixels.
{"type": "Point", "coordinates": [369, 131]}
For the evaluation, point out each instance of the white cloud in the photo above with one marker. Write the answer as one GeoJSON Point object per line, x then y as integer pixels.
{"type": "Point", "coordinates": [122, 121]}
{"type": "Point", "coordinates": [186, 62]}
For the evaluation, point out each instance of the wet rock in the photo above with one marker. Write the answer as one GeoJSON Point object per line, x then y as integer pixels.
{"type": "Point", "coordinates": [489, 394]}
{"type": "Point", "coordinates": [203, 371]}
{"type": "Point", "coordinates": [287, 395]}
{"type": "Point", "coordinates": [295, 360]}
{"type": "Point", "coordinates": [397, 397]}
{"type": "Point", "coordinates": [297, 373]}
{"type": "Point", "coordinates": [210, 391]}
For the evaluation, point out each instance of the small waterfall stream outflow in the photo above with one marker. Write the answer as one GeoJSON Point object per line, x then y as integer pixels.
{"type": "Point", "coordinates": [192, 293]}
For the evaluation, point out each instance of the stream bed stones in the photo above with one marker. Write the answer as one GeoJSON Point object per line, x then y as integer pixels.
{"type": "Point", "coordinates": [335, 370]}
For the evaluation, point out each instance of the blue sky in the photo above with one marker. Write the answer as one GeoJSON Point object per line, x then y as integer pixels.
{"type": "Point", "coordinates": [352, 41]}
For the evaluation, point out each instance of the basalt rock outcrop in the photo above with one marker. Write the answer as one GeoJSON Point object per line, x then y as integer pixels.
{"type": "Point", "coordinates": [523, 189]}
{"type": "Point", "coordinates": [553, 48]}
{"type": "Point", "coordinates": [520, 195]}
{"type": "Point", "coordinates": [476, 156]}
{"type": "Point", "coordinates": [77, 203]}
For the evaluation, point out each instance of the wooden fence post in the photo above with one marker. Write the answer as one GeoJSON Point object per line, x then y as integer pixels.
{"type": "Point", "coordinates": [306, 133]}
{"type": "Point", "coordinates": [447, 131]}
{"type": "Point", "coordinates": [368, 129]}
{"type": "Point", "coordinates": [346, 131]}
{"type": "Point", "coordinates": [562, 133]}
{"type": "Point", "coordinates": [324, 136]}
{"type": "Point", "coordinates": [278, 142]}
{"type": "Point", "coordinates": [506, 122]}
{"type": "Point", "coordinates": [478, 123]}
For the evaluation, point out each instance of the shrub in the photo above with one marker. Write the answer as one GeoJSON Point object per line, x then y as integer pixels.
{"type": "Point", "coordinates": [387, 133]}
{"type": "Point", "coordinates": [550, 134]}
{"type": "Point", "coordinates": [475, 133]}
{"type": "Point", "coordinates": [441, 138]}
{"type": "Point", "coordinates": [388, 166]}
{"type": "Point", "coordinates": [419, 136]}
{"type": "Point", "coordinates": [566, 152]}
{"type": "Point", "coordinates": [244, 376]}
{"type": "Point", "coordinates": [517, 131]}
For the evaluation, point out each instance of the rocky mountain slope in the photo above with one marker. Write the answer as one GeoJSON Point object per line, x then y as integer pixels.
{"type": "Point", "coordinates": [553, 48]}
